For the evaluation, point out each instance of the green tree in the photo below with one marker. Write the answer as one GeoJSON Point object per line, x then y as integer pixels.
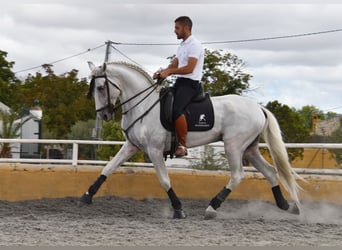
{"type": "Point", "coordinates": [306, 115]}
{"type": "Point", "coordinates": [330, 115]}
{"type": "Point", "coordinates": [82, 130]}
{"type": "Point", "coordinates": [63, 100]}
{"type": "Point", "coordinates": [111, 131]}
{"type": "Point", "coordinates": [210, 160]}
{"type": "Point", "coordinates": [8, 82]}
{"type": "Point", "coordinates": [293, 127]}
{"type": "Point", "coordinates": [223, 73]}
{"type": "Point", "coordinates": [9, 129]}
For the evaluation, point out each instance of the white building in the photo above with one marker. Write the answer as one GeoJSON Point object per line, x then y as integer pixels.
{"type": "Point", "coordinates": [30, 130]}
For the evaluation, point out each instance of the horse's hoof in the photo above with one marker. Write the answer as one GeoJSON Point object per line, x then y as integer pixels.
{"type": "Point", "coordinates": [210, 213]}
{"type": "Point", "coordinates": [294, 209]}
{"type": "Point", "coordinates": [179, 214]}
{"type": "Point", "coordinates": [85, 199]}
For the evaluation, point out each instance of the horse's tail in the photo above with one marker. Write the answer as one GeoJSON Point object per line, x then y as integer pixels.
{"type": "Point", "coordinates": [273, 138]}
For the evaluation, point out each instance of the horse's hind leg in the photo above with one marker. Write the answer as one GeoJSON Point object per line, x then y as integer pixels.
{"type": "Point", "coordinates": [235, 164]}
{"type": "Point", "coordinates": [253, 155]}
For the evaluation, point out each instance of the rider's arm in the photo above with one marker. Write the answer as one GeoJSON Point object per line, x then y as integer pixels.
{"type": "Point", "coordinates": [172, 65]}
{"type": "Point", "coordinates": [187, 69]}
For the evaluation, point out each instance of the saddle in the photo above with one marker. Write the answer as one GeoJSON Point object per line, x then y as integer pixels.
{"type": "Point", "coordinates": [199, 114]}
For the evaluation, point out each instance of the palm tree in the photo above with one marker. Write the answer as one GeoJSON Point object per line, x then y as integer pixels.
{"type": "Point", "coordinates": [9, 129]}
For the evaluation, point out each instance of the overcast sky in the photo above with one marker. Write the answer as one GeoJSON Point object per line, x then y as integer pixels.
{"type": "Point", "coordinates": [298, 71]}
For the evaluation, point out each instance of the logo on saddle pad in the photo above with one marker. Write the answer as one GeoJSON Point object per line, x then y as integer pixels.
{"type": "Point", "coordinates": [199, 113]}
{"type": "Point", "coordinates": [202, 121]}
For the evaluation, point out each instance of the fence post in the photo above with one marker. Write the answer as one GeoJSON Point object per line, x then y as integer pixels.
{"type": "Point", "coordinates": [74, 154]}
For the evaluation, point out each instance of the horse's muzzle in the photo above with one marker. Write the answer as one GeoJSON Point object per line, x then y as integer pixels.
{"type": "Point", "coordinates": [106, 116]}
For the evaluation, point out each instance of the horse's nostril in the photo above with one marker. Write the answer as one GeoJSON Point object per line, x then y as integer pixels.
{"type": "Point", "coordinates": [105, 117]}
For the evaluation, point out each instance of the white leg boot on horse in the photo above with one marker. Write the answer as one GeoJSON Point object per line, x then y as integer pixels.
{"type": "Point", "coordinates": [182, 130]}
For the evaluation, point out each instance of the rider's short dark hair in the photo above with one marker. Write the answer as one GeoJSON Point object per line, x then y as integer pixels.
{"type": "Point", "coordinates": [185, 20]}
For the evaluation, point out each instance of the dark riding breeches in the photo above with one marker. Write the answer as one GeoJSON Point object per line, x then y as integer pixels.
{"type": "Point", "coordinates": [185, 90]}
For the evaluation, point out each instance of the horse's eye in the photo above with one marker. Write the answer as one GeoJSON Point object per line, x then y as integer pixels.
{"type": "Point", "coordinates": [100, 88]}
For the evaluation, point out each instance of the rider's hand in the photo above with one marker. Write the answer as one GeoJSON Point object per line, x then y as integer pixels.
{"type": "Point", "coordinates": [156, 75]}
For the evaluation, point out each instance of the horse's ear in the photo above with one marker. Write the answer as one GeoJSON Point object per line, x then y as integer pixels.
{"type": "Point", "coordinates": [91, 66]}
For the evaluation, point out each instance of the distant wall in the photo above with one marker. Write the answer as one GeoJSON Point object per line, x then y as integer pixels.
{"type": "Point", "coordinates": [36, 181]}
{"type": "Point", "coordinates": [312, 158]}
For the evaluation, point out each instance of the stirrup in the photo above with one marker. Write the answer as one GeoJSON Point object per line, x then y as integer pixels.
{"type": "Point", "coordinates": [181, 151]}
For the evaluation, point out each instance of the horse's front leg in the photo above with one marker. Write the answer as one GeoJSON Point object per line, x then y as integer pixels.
{"type": "Point", "coordinates": [156, 156]}
{"type": "Point", "coordinates": [126, 151]}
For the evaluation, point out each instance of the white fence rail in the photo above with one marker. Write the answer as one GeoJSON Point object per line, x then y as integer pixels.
{"type": "Point", "coordinates": [75, 147]}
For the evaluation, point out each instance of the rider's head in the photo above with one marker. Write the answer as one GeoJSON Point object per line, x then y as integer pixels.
{"type": "Point", "coordinates": [183, 26]}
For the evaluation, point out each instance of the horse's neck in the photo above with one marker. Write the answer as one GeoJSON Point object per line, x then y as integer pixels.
{"type": "Point", "coordinates": [132, 84]}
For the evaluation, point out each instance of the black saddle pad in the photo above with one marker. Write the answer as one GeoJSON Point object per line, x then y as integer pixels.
{"type": "Point", "coordinates": [199, 113]}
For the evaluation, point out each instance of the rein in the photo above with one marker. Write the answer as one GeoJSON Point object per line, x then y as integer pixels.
{"type": "Point", "coordinates": [154, 86]}
{"type": "Point", "coordinates": [145, 113]}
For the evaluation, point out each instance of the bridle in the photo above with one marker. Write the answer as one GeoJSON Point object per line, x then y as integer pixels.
{"type": "Point", "coordinates": [111, 108]}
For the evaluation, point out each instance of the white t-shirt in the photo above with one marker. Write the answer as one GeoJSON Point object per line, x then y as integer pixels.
{"type": "Point", "coordinates": [191, 47]}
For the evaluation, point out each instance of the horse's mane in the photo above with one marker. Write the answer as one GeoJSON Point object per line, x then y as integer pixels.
{"type": "Point", "coordinates": [135, 67]}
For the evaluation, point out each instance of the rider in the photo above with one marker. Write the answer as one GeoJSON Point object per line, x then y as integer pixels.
{"type": "Point", "coordinates": [188, 66]}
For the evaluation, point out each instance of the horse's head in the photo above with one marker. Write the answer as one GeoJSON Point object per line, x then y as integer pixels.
{"type": "Point", "coordinates": [104, 90]}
